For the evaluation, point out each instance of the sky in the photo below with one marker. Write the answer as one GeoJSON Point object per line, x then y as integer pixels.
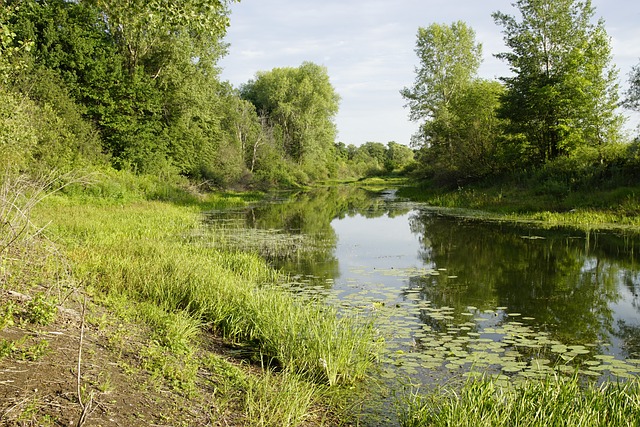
{"type": "Point", "coordinates": [368, 50]}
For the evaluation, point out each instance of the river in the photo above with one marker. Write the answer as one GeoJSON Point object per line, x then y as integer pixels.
{"type": "Point", "coordinates": [455, 296]}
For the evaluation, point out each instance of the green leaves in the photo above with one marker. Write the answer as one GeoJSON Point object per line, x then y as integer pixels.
{"type": "Point", "coordinates": [459, 130]}
{"type": "Point", "coordinates": [563, 92]}
{"type": "Point", "coordinates": [449, 59]}
{"type": "Point", "coordinates": [632, 99]}
{"type": "Point", "coordinates": [300, 104]}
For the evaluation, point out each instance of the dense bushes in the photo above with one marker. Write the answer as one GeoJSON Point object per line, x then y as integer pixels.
{"type": "Point", "coordinates": [96, 83]}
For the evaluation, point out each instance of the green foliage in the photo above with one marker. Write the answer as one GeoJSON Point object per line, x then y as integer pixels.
{"type": "Point", "coordinates": [176, 331]}
{"type": "Point", "coordinates": [460, 134]}
{"type": "Point", "coordinates": [398, 157]}
{"type": "Point", "coordinates": [66, 66]}
{"type": "Point", "coordinates": [11, 50]}
{"type": "Point", "coordinates": [632, 96]}
{"type": "Point", "coordinates": [18, 138]}
{"type": "Point", "coordinates": [7, 347]}
{"type": "Point", "coordinates": [66, 140]}
{"type": "Point", "coordinates": [553, 401]}
{"type": "Point", "coordinates": [449, 58]}
{"type": "Point", "coordinates": [204, 141]}
{"type": "Point", "coordinates": [138, 81]}
{"type": "Point", "coordinates": [563, 93]}
{"type": "Point", "coordinates": [7, 310]}
{"type": "Point", "coordinates": [469, 138]}
{"type": "Point", "coordinates": [154, 35]}
{"type": "Point", "coordinates": [131, 69]}
{"type": "Point", "coordinates": [21, 350]}
{"type": "Point", "coordinates": [300, 104]}
{"type": "Point", "coordinates": [32, 353]}
{"type": "Point", "coordinates": [40, 310]}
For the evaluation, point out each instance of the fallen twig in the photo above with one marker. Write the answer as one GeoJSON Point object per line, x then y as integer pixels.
{"type": "Point", "coordinates": [86, 408]}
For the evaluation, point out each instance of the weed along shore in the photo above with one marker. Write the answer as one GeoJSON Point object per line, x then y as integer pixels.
{"type": "Point", "coordinates": [140, 304]}
{"type": "Point", "coordinates": [171, 330]}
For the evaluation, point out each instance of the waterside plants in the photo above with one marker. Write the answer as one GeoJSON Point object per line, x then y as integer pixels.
{"type": "Point", "coordinates": [191, 319]}
{"type": "Point", "coordinates": [554, 401]}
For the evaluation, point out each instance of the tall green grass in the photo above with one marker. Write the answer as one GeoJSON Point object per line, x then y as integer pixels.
{"type": "Point", "coordinates": [555, 401]}
{"type": "Point", "coordinates": [144, 250]}
{"type": "Point", "coordinates": [600, 208]}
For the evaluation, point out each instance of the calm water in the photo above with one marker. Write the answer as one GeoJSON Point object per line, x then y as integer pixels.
{"type": "Point", "coordinates": [452, 295]}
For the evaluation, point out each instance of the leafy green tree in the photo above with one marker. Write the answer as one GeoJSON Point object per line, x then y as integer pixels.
{"type": "Point", "coordinates": [300, 104]}
{"type": "Point", "coordinates": [170, 50]}
{"type": "Point", "coordinates": [18, 137]}
{"type": "Point", "coordinates": [632, 98]}
{"type": "Point", "coordinates": [145, 73]}
{"type": "Point", "coordinates": [71, 40]}
{"type": "Point", "coordinates": [473, 132]}
{"type": "Point", "coordinates": [397, 157]}
{"type": "Point", "coordinates": [449, 60]}
{"type": "Point", "coordinates": [460, 133]}
{"type": "Point", "coordinates": [563, 92]}
{"type": "Point", "coordinates": [11, 50]}
{"type": "Point", "coordinates": [154, 34]}
{"type": "Point", "coordinates": [245, 127]}
{"type": "Point", "coordinates": [367, 159]}
{"type": "Point", "coordinates": [376, 151]}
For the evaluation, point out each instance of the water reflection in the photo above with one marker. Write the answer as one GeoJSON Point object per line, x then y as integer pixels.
{"type": "Point", "coordinates": [573, 284]}
{"type": "Point", "coordinates": [368, 250]}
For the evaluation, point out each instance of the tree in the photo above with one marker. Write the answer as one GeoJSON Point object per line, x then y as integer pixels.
{"type": "Point", "coordinates": [397, 157]}
{"type": "Point", "coordinates": [563, 92]}
{"type": "Point", "coordinates": [155, 33]}
{"type": "Point", "coordinates": [460, 132]}
{"type": "Point", "coordinates": [170, 101]}
{"type": "Point", "coordinates": [474, 132]}
{"type": "Point", "coordinates": [449, 60]}
{"type": "Point", "coordinates": [11, 50]}
{"type": "Point", "coordinates": [144, 72]}
{"type": "Point", "coordinates": [632, 98]}
{"type": "Point", "coordinates": [300, 103]}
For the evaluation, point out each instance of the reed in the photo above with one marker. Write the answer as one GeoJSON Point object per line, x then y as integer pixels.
{"type": "Point", "coordinates": [554, 401]}
{"type": "Point", "coordinates": [144, 251]}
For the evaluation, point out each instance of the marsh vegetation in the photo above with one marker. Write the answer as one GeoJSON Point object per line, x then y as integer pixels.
{"type": "Point", "coordinates": [457, 298]}
{"type": "Point", "coordinates": [503, 278]}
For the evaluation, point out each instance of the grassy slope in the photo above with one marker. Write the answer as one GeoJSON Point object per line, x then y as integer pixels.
{"type": "Point", "coordinates": [176, 318]}
{"type": "Point", "coordinates": [157, 289]}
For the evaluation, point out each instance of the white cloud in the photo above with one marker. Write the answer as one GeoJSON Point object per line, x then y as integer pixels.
{"type": "Point", "coordinates": [252, 54]}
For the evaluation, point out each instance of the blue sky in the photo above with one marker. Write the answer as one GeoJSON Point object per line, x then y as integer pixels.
{"type": "Point", "coordinates": [368, 49]}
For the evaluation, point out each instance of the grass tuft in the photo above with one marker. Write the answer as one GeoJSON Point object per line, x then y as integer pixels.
{"type": "Point", "coordinates": [549, 402]}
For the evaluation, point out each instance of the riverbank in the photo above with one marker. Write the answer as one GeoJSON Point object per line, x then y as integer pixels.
{"type": "Point", "coordinates": [124, 312]}
{"type": "Point", "coordinates": [601, 209]}
{"type": "Point", "coordinates": [128, 312]}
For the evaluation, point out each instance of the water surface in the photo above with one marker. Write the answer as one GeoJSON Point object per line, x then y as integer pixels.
{"type": "Point", "coordinates": [453, 295]}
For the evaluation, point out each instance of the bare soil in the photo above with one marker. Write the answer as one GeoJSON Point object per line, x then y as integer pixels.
{"type": "Point", "coordinates": [39, 378]}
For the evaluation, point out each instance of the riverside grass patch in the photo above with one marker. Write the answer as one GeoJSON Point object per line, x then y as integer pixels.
{"type": "Point", "coordinates": [146, 251]}
{"type": "Point", "coordinates": [586, 209]}
{"type": "Point", "coordinates": [552, 401]}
